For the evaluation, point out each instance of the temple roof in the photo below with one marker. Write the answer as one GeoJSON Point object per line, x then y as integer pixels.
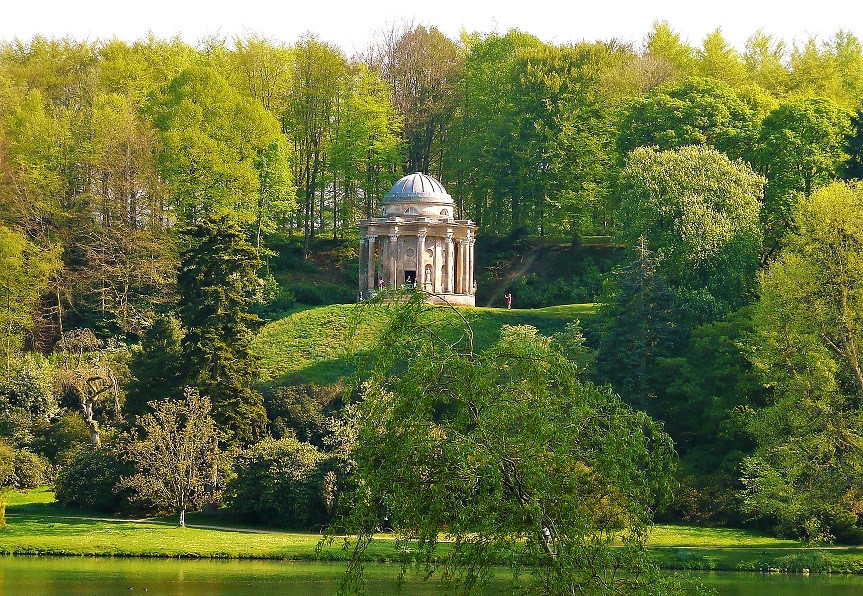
{"type": "Point", "coordinates": [418, 187]}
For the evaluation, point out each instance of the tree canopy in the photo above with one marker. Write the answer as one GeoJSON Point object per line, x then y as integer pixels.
{"type": "Point", "coordinates": [508, 442]}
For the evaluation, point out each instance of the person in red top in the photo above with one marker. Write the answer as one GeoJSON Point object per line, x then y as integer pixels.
{"type": "Point", "coordinates": [508, 301]}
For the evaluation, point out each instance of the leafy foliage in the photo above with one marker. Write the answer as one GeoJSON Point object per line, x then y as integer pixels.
{"type": "Point", "coordinates": [806, 468]}
{"type": "Point", "coordinates": [698, 211]}
{"type": "Point", "coordinates": [177, 456]}
{"type": "Point", "coordinates": [507, 443]}
{"type": "Point", "coordinates": [279, 482]}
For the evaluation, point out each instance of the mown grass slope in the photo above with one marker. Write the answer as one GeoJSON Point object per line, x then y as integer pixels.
{"type": "Point", "coordinates": [321, 345]}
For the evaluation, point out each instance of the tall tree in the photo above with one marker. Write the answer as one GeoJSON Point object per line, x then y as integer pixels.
{"type": "Point", "coordinates": [420, 64]}
{"type": "Point", "coordinates": [24, 275]}
{"type": "Point", "coordinates": [765, 59]}
{"type": "Point", "coordinates": [213, 143]}
{"type": "Point", "coordinates": [556, 461]}
{"type": "Point", "coordinates": [696, 111]}
{"type": "Point", "coordinates": [808, 464]}
{"type": "Point", "coordinates": [802, 147]}
{"type": "Point", "coordinates": [217, 284]}
{"type": "Point", "coordinates": [317, 74]}
{"type": "Point", "coordinates": [718, 60]}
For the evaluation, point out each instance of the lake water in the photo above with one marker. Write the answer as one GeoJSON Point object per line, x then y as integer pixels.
{"type": "Point", "coordinates": [79, 576]}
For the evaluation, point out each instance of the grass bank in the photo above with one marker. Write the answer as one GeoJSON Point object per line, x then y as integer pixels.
{"type": "Point", "coordinates": [321, 345]}
{"type": "Point", "coordinates": [37, 525]}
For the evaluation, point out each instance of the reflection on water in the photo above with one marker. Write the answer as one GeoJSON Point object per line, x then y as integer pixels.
{"type": "Point", "coordinates": [74, 576]}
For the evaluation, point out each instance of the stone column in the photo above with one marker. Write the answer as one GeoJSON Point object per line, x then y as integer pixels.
{"type": "Point", "coordinates": [450, 264]}
{"type": "Point", "coordinates": [435, 266]}
{"type": "Point", "coordinates": [392, 258]}
{"type": "Point", "coordinates": [363, 269]}
{"type": "Point", "coordinates": [470, 278]}
{"type": "Point", "coordinates": [421, 253]}
{"type": "Point", "coordinates": [370, 265]}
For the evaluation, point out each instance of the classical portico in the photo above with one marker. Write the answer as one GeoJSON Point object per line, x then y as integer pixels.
{"type": "Point", "coordinates": [417, 240]}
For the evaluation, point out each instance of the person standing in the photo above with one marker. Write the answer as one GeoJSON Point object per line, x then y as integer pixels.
{"type": "Point", "coordinates": [508, 301]}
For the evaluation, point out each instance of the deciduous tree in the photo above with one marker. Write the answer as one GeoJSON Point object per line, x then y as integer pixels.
{"type": "Point", "coordinates": [509, 454]}
{"type": "Point", "coordinates": [176, 455]}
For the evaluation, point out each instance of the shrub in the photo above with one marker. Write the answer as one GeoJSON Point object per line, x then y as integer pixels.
{"type": "Point", "coordinates": [31, 470]}
{"type": "Point", "coordinates": [7, 464]}
{"type": "Point", "coordinates": [64, 434]}
{"type": "Point", "coordinates": [320, 294]}
{"type": "Point", "coordinates": [279, 482]}
{"type": "Point", "coordinates": [31, 387]}
{"type": "Point", "coordinates": [90, 479]}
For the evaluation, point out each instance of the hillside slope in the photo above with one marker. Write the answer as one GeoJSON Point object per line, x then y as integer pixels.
{"type": "Point", "coordinates": [321, 345]}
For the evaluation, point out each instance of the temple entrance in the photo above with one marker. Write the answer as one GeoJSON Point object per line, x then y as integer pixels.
{"type": "Point", "coordinates": [410, 277]}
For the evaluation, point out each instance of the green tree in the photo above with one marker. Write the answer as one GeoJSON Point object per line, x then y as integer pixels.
{"type": "Point", "coordinates": [808, 464]}
{"type": "Point", "coordinates": [765, 60]}
{"type": "Point", "coordinates": [718, 60]}
{"type": "Point", "coordinates": [699, 213]}
{"type": "Point", "coordinates": [316, 78]}
{"type": "Point", "coordinates": [802, 147]}
{"type": "Point", "coordinates": [155, 367]}
{"type": "Point", "coordinates": [697, 111]}
{"type": "Point", "coordinates": [177, 454]}
{"type": "Point", "coordinates": [367, 148]}
{"type": "Point", "coordinates": [640, 325]}
{"type": "Point", "coordinates": [664, 44]}
{"type": "Point", "coordinates": [508, 453]}
{"type": "Point", "coordinates": [217, 284]}
{"type": "Point", "coordinates": [854, 148]}
{"type": "Point", "coordinates": [213, 143]}
{"type": "Point", "coordinates": [25, 271]}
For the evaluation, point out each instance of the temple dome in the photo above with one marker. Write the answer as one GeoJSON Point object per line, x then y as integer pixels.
{"type": "Point", "coordinates": [417, 186]}
{"type": "Point", "coordinates": [418, 194]}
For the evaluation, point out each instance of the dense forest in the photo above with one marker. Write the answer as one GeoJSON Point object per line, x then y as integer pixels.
{"type": "Point", "coordinates": [156, 200]}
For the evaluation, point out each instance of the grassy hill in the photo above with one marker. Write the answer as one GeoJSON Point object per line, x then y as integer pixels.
{"type": "Point", "coordinates": [320, 345]}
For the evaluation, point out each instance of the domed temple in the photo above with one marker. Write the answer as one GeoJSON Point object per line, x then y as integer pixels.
{"type": "Point", "coordinates": [417, 240]}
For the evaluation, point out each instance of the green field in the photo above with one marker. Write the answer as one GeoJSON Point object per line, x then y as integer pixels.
{"type": "Point", "coordinates": [320, 345]}
{"type": "Point", "coordinates": [36, 525]}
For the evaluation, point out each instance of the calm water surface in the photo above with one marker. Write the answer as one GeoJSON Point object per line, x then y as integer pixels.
{"type": "Point", "coordinates": [79, 576]}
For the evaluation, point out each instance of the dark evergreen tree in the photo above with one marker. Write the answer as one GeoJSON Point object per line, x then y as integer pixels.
{"type": "Point", "coordinates": [640, 327]}
{"type": "Point", "coordinates": [217, 284]}
{"type": "Point", "coordinates": [854, 148]}
{"type": "Point", "coordinates": [156, 367]}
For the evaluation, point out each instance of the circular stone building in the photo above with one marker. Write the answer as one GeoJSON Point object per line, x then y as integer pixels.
{"type": "Point", "coordinates": [417, 240]}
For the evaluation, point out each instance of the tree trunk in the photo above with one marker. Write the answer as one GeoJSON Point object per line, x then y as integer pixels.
{"type": "Point", "coordinates": [183, 517]}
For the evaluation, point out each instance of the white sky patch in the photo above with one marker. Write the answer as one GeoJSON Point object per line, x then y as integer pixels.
{"type": "Point", "coordinates": [351, 25]}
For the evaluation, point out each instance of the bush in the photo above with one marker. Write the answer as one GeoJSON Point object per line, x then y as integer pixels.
{"type": "Point", "coordinates": [31, 387]}
{"type": "Point", "coordinates": [7, 464]}
{"type": "Point", "coordinates": [18, 427]}
{"type": "Point", "coordinates": [320, 294]}
{"type": "Point", "coordinates": [90, 479]}
{"type": "Point", "coordinates": [279, 482]}
{"type": "Point", "coordinates": [300, 411]}
{"type": "Point", "coordinates": [31, 470]}
{"type": "Point", "coordinates": [64, 434]}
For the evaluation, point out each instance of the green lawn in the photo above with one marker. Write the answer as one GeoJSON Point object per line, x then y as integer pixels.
{"type": "Point", "coordinates": [36, 525]}
{"type": "Point", "coordinates": [320, 345]}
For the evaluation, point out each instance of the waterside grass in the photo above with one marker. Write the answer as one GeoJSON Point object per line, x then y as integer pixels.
{"type": "Point", "coordinates": [38, 526]}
